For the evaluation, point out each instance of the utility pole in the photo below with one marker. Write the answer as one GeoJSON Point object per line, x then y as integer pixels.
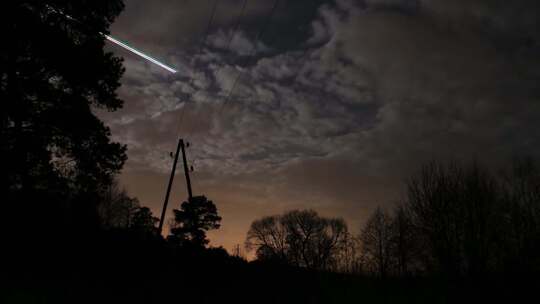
{"type": "Point", "coordinates": [171, 178]}
{"type": "Point", "coordinates": [186, 170]}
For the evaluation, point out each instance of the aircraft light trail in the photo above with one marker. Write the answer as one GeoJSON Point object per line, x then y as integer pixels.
{"type": "Point", "coordinates": [137, 52]}
{"type": "Point", "coordinates": [118, 42]}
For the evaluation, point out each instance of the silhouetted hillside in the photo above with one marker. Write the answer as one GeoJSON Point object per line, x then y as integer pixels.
{"type": "Point", "coordinates": [123, 269]}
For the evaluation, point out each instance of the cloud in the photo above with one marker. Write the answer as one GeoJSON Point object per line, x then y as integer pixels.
{"type": "Point", "coordinates": [396, 85]}
{"type": "Point", "coordinates": [236, 42]}
{"type": "Point", "coordinates": [385, 78]}
{"type": "Point", "coordinates": [336, 120]}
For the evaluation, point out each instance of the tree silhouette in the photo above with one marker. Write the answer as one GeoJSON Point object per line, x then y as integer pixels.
{"type": "Point", "coordinates": [519, 228]}
{"type": "Point", "coordinates": [376, 240]}
{"type": "Point", "coordinates": [143, 220]}
{"type": "Point", "coordinates": [298, 237]}
{"type": "Point", "coordinates": [459, 219]}
{"type": "Point", "coordinates": [115, 208]}
{"type": "Point", "coordinates": [349, 258]}
{"type": "Point", "coordinates": [457, 207]}
{"type": "Point", "coordinates": [192, 220]}
{"type": "Point", "coordinates": [268, 237]}
{"type": "Point", "coordinates": [313, 240]}
{"type": "Point", "coordinates": [53, 73]}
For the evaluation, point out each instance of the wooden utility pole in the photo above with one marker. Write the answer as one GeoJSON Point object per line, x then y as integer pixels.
{"type": "Point", "coordinates": [186, 170]}
{"type": "Point", "coordinates": [171, 178]}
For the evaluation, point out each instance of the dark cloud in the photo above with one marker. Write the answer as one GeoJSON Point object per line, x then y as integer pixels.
{"type": "Point", "coordinates": [333, 107]}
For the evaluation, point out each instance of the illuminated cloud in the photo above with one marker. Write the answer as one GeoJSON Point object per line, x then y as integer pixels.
{"type": "Point", "coordinates": [335, 109]}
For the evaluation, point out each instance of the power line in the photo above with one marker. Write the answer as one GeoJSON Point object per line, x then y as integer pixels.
{"type": "Point", "coordinates": [201, 43]}
{"type": "Point", "coordinates": [207, 31]}
{"type": "Point", "coordinates": [260, 33]}
{"type": "Point", "coordinates": [257, 38]}
{"type": "Point", "coordinates": [209, 26]}
{"type": "Point", "coordinates": [228, 48]}
{"type": "Point", "coordinates": [235, 28]}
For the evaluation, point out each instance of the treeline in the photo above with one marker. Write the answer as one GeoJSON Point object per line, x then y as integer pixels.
{"type": "Point", "coordinates": [455, 220]}
{"type": "Point", "coordinates": [119, 212]}
{"type": "Point", "coordinates": [58, 161]}
{"type": "Point", "coordinates": [57, 157]}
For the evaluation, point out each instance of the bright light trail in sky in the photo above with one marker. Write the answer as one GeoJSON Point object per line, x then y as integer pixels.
{"type": "Point", "coordinates": [120, 43]}
{"type": "Point", "coordinates": [137, 52]}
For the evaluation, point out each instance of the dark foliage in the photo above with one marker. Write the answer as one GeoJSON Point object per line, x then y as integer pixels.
{"type": "Point", "coordinates": [192, 220]}
{"type": "Point", "coordinates": [460, 220]}
{"type": "Point", "coordinates": [299, 238]}
{"type": "Point", "coordinates": [69, 234]}
{"type": "Point", "coordinates": [56, 154]}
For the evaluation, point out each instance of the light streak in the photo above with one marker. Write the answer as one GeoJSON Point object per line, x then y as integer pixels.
{"type": "Point", "coordinates": [119, 43]}
{"type": "Point", "coordinates": [137, 52]}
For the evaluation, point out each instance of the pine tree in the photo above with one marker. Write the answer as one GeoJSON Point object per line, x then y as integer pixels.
{"type": "Point", "coordinates": [54, 72]}
{"type": "Point", "coordinates": [195, 217]}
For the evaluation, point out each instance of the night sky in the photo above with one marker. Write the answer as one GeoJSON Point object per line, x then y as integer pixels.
{"type": "Point", "coordinates": [337, 103]}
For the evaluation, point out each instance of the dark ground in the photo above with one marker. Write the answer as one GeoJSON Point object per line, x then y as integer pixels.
{"type": "Point", "coordinates": [120, 269]}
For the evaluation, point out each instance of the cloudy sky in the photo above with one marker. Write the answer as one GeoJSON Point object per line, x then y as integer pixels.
{"type": "Point", "coordinates": [334, 102]}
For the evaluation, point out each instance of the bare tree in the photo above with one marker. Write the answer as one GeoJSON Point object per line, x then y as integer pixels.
{"type": "Point", "coordinates": [520, 227]}
{"type": "Point", "coordinates": [401, 230]}
{"type": "Point", "coordinates": [349, 258]}
{"type": "Point", "coordinates": [300, 238]}
{"type": "Point", "coordinates": [455, 207]}
{"type": "Point", "coordinates": [376, 240]}
{"type": "Point", "coordinates": [267, 237]}
{"type": "Point", "coordinates": [407, 244]}
{"type": "Point", "coordinates": [459, 219]}
{"type": "Point", "coordinates": [313, 240]}
{"type": "Point", "coordinates": [116, 208]}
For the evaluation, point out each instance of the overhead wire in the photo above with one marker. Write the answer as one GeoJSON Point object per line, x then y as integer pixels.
{"type": "Point", "coordinates": [228, 49]}
{"type": "Point", "coordinates": [252, 53]}
{"type": "Point", "coordinates": [180, 118]}
{"type": "Point", "coordinates": [237, 24]}
{"type": "Point", "coordinates": [201, 46]}
{"type": "Point", "coordinates": [258, 36]}
{"type": "Point", "coordinates": [229, 43]}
